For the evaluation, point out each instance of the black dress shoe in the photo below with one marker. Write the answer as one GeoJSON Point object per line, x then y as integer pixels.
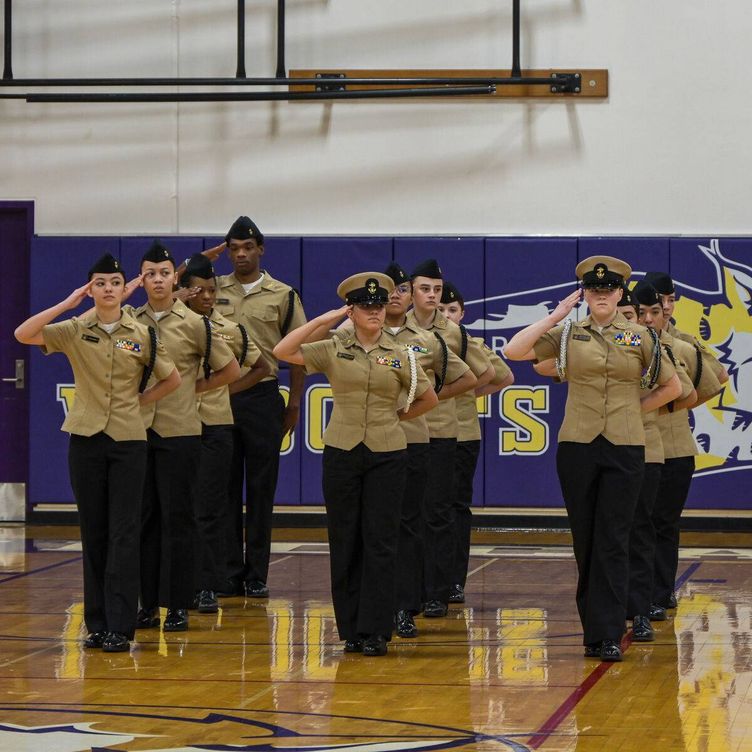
{"type": "Point", "coordinates": [405, 624]}
{"type": "Point", "coordinates": [116, 642]}
{"type": "Point", "coordinates": [374, 645]}
{"type": "Point", "coordinates": [256, 589]}
{"type": "Point", "coordinates": [176, 620]}
{"type": "Point", "coordinates": [231, 589]}
{"type": "Point", "coordinates": [593, 650]}
{"type": "Point", "coordinates": [610, 651]}
{"type": "Point", "coordinates": [672, 601]}
{"type": "Point", "coordinates": [147, 618]}
{"type": "Point", "coordinates": [457, 594]}
{"type": "Point", "coordinates": [434, 609]}
{"type": "Point", "coordinates": [641, 629]}
{"type": "Point", "coordinates": [95, 640]}
{"type": "Point", "coordinates": [206, 602]}
{"type": "Point", "coordinates": [657, 613]}
{"type": "Point", "coordinates": [353, 646]}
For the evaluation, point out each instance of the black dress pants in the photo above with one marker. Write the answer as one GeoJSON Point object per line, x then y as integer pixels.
{"type": "Point", "coordinates": [258, 413]}
{"type": "Point", "coordinates": [363, 493]}
{"type": "Point", "coordinates": [438, 541]}
{"type": "Point", "coordinates": [601, 482]}
{"type": "Point", "coordinates": [214, 517]}
{"type": "Point", "coordinates": [168, 523]}
{"type": "Point", "coordinates": [466, 460]}
{"type": "Point", "coordinates": [642, 545]}
{"type": "Point", "coordinates": [676, 478]}
{"type": "Point", "coordinates": [409, 567]}
{"type": "Point", "coordinates": [107, 477]}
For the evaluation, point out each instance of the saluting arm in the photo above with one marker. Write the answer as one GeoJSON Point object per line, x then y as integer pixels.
{"type": "Point", "coordinates": [459, 386]}
{"type": "Point", "coordinates": [288, 348]}
{"type": "Point", "coordinates": [661, 395]}
{"type": "Point", "coordinates": [30, 332]}
{"type": "Point", "coordinates": [520, 347]}
{"type": "Point", "coordinates": [421, 404]}
{"type": "Point", "coordinates": [160, 389]}
{"type": "Point", "coordinates": [259, 370]}
{"type": "Point", "coordinates": [220, 377]}
{"type": "Point", "coordinates": [493, 388]}
{"type": "Point", "coordinates": [485, 377]}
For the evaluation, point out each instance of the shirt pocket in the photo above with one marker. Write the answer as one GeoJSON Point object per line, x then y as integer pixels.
{"type": "Point", "coordinates": [267, 314]}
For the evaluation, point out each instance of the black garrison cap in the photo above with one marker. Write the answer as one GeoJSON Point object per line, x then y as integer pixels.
{"type": "Point", "coordinates": [108, 264]}
{"type": "Point", "coordinates": [244, 228]}
{"type": "Point", "coordinates": [450, 294]}
{"type": "Point", "coordinates": [198, 266]}
{"type": "Point", "coordinates": [628, 297]}
{"type": "Point", "coordinates": [397, 273]}
{"type": "Point", "coordinates": [158, 252]}
{"type": "Point", "coordinates": [661, 281]}
{"type": "Point", "coordinates": [428, 268]}
{"type": "Point", "coordinates": [645, 294]}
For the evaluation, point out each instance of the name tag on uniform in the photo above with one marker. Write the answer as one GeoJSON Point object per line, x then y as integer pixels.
{"type": "Point", "coordinates": [392, 362]}
{"type": "Point", "coordinates": [223, 301]}
{"type": "Point", "coordinates": [416, 348]}
{"type": "Point", "coordinates": [89, 338]}
{"type": "Point", "coordinates": [128, 344]}
{"type": "Point", "coordinates": [627, 339]}
{"type": "Point", "coordinates": [346, 356]}
{"type": "Point", "coordinates": [581, 337]}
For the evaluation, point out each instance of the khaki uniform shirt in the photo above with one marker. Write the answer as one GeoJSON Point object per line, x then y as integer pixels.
{"type": "Point", "coordinates": [107, 369]}
{"type": "Point", "coordinates": [467, 403]}
{"type": "Point", "coordinates": [183, 334]}
{"type": "Point", "coordinates": [429, 354]}
{"type": "Point", "coordinates": [442, 420]}
{"type": "Point", "coordinates": [366, 388]}
{"type": "Point", "coordinates": [710, 362]}
{"type": "Point", "coordinates": [684, 349]}
{"type": "Point", "coordinates": [604, 370]}
{"type": "Point", "coordinates": [262, 312]}
{"type": "Point", "coordinates": [214, 406]}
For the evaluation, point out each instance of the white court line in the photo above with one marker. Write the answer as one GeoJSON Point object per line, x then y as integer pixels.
{"type": "Point", "coordinates": [482, 566]}
{"type": "Point", "coordinates": [277, 561]}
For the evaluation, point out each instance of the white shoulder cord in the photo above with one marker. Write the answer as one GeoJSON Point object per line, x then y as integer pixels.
{"type": "Point", "coordinates": [561, 361]}
{"type": "Point", "coordinates": [413, 377]}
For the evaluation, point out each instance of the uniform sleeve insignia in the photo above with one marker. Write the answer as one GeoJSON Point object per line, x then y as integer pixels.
{"type": "Point", "coordinates": [392, 362]}
{"type": "Point", "coordinates": [128, 344]}
{"type": "Point", "coordinates": [627, 338]}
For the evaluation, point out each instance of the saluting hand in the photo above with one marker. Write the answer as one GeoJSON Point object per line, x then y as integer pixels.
{"type": "Point", "coordinates": [132, 286]}
{"type": "Point", "coordinates": [186, 293]}
{"type": "Point", "coordinates": [565, 306]}
{"type": "Point", "coordinates": [77, 296]}
{"type": "Point", "coordinates": [214, 253]}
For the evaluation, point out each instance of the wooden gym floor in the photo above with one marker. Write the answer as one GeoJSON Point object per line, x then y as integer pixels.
{"type": "Point", "coordinates": [504, 672]}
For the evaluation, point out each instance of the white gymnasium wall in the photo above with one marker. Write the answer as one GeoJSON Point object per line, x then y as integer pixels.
{"type": "Point", "coordinates": [668, 152]}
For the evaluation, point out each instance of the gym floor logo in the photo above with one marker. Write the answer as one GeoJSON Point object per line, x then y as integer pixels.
{"type": "Point", "coordinates": [97, 729]}
{"type": "Point", "coordinates": [718, 315]}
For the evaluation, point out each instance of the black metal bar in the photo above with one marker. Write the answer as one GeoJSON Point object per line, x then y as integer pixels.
{"type": "Point", "coordinates": [8, 43]}
{"type": "Point", "coordinates": [516, 69]}
{"type": "Point", "coordinates": [281, 69]}
{"type": "Point", "coordinates": [426, 81]}
{"type": "Point", "coordinates": [240, 72]}
{"type": "Point", "coordinates": [262, 96]}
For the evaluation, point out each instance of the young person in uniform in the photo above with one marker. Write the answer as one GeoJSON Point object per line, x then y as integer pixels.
{"type": "Point", "coordinates": [628, 306]}
{"type": "Point", "coordinates": [174, 439]}
{"type": "Point", "coordinates": [452, 305]}
{"type": "Point", "coordinates": [110, 354]}
{"type": "Point", "coordinates": [679, 448]}
{"type": "Point", "coordinates": [452, 377]}
{"type": "Point", "coordinates": [439, 542]}
{"type": "Point", "coordinates": [214, 514]}
{"type": "Point", "coordinates": [268, 309]}
{"type": "Point", "coordinates": [601, 453]}
{"type": "Point", "coordinates": [364, 460]}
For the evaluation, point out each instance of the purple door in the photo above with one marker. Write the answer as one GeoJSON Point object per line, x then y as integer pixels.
{"type": "Point", "coordinates": [16, 229]}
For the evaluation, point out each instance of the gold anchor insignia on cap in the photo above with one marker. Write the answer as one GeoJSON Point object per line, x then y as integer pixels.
{"type": "Point", "coordinates": [371, 286]}
{"type": "Point", "coordinates": [600, 271]}
{"type": "Point", "coordinates": [451, 294]}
